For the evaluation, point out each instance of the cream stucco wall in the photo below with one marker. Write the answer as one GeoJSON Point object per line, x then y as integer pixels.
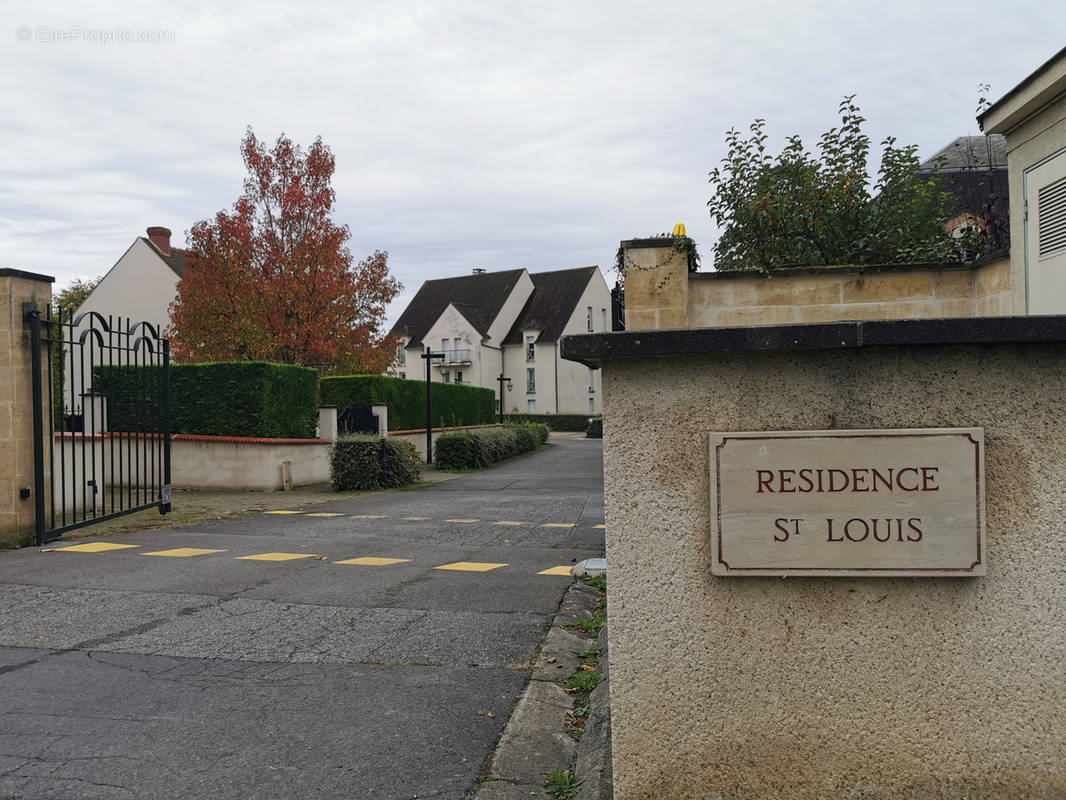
{"type": "Point", "coordinates": [1039, 137]}
{"type": "Point", "coordinates": [1032, 116]}
{"type": "Point", "coordinates": [740, 688]}
{"type": "Point", "coordinates": [141, 286]}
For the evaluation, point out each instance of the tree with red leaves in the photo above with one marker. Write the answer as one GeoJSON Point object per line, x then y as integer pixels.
{"type": "Point", "coordinates": [273, 280]}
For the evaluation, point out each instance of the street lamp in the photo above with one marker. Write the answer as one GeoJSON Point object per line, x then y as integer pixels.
{"type": "Point", "coordinates": [429, 356]}
{"type": "Point", "coordinates": [510, 386]}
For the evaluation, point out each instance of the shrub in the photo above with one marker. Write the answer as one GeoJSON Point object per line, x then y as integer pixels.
{"type": "Point", "coordinates": [555, 422]}
{"type": "Point", "coordinates": [479, 448]}
{"type": "Point", "coordinates": [594, 429]}
{"type": "Point", "coordinates": [232, 398]}
{"type": "Point", "coordinates": [456, 403]}
{"type": "Point", "coordinates": [454, 451]}
{"type": "Point", "coordinates": [370, 462]}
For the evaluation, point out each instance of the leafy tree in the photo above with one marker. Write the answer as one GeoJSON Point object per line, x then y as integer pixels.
{"type": "Point", "coordinates": [74, 295]}
{"type": "Point", "coordinates": [273, 279]}
{"type": "Point", "coordinates": [798, 209]}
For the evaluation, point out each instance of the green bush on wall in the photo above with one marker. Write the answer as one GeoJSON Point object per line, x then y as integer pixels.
{"type": "Point", "coordinates": [370, 462]}
{"type": "Point", "coordinates": [455, 403]}
{"type": "Point", "coordinates": [555, 422]}
{"type": "Point", "coordinates": [240, 398]}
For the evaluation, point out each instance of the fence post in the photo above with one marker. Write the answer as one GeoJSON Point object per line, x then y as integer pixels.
{"type": "Point", "coordinates": [20, 502]}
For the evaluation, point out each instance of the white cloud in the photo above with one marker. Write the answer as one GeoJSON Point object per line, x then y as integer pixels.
{"type": "Point", "coordinates": [466, 133]}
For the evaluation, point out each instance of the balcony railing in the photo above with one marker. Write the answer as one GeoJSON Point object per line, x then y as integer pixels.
{"type": "Point", "coordinates": [456, 356]}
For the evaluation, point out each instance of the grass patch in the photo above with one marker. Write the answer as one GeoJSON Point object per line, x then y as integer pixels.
{"type": "Point", "coordinates": [597, 582]}
{"type": "Point", "coordinates": [561, 785]}
{"type": "Point", "coordinates": [584, 680]}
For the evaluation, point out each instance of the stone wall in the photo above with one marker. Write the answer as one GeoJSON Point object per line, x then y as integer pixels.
{"type": "Point", "coordinates": [661, 293]}
{"type": "Point", "coordinates": [886, 688]}
{"type": "Point", "coordinates": [16, 403]}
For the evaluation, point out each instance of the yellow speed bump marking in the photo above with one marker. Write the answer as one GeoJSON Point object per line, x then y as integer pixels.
{"type": "Point", "coordinates": [563, 570]}
{"type": "Point", "coordinates": [94, 547]}
{"type": "Point", "coordinates": [558, 525]}
{"type": "Point", "coordinates": [275, 557]}
{"type": "Point", "coordinates": [373, 561]}
{"type": "Point", "coordinates": [470, 566]}
{"type": "Point", "coordinates": [325, 514]}
{"type": "Point", "coordinates": [508, 522]}
{"type": "Point", "coordinates": [283, 512]}
{"type": "Point", "coordinates": [600, 527]}
{"type": "Point", "coordinates": [370, 516]}
{"type": "Point", "coordinates": [183, 552]}
{"type": "Point", "coordinates": [462, 520]}
{"type": "Point", "coordinates": [416, 519]}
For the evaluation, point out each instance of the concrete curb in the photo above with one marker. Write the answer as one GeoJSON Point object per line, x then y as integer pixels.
{"type": "Point", "coordinates": [538, 737]}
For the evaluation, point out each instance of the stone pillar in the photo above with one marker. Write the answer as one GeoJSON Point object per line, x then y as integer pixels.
{"type": "Point", "coordinates": [656, 284]}
{"type": "Point", "coordinates": [327, 423]}
{"type": "Point", "coordinates": [16, 404]}
{"type": "Point", "coordinates": [381, 411]}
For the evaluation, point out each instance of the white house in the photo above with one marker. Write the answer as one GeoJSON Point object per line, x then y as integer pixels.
{"type": "Point", "coordinates": [493, 324]}
{"type": "Point", "coordinates": [143, 282]}
{"type": "Point", "coordinates": [1032, 117]}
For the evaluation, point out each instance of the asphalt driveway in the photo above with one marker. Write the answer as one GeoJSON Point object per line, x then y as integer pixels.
{"type": "Point", "coordinates": [366, 648]}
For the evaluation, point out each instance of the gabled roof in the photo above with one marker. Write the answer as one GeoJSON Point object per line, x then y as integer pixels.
{"type": "Point", "coordinates": [554, 298]}
{"type": "Point", "coordinates": [477, 297]}
{"type": "Point", "coordinates": [176, 259]}
{"type": "Point", "coordinates": [971, 152]}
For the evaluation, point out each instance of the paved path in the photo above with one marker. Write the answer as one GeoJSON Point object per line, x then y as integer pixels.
{"type": "Point", "coordinates": [245, 658]}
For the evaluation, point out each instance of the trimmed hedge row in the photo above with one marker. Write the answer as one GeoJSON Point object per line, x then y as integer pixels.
{"type": "Point", "coordinates": [371, 462]}
{"type": "Point", "coordinates": [454, 403]}
{"type": "Point", "coordinates": [595, 428]}
{"type": "Point", "coordinates": [481, 448]}
{"type": "Point", "coordinates": [555, 422]}
{"type": "Point", "coordinates": [241, 398]}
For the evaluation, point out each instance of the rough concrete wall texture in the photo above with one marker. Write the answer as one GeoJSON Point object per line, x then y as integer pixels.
{"type": "Point", "coordinates": [858, 688]}
{"type": "Point", "coordinates": [16, 406]}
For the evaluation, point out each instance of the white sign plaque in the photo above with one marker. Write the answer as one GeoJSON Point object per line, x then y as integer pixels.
{"type": "Point", "coordinates": [848, 503]}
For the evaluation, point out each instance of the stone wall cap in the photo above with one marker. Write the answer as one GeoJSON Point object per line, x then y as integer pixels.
{"type": "Point", "coordinates": [650, 241]}
{"type": "Point", "coordinates": [853, 269]}
{"type": "Point", "coordinates": [9, 272]}
{"type": "Point", "coordinates": [594, 349]}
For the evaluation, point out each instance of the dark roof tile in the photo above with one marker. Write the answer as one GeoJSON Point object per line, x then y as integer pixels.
{"type": "Point", "coordinates": [555, 295]}
{"type": "Point", "coordinates": [477, 297]}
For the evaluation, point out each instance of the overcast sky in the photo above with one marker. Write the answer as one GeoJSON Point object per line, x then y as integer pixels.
{"type": "Point", "coordinates": [466, 134]}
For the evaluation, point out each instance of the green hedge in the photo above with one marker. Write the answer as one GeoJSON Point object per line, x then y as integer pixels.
{"type": "Point", "coordinates": [455, 403]}
{"type": "Point", "coordinates": [479, 448]}
{"type": "Point", "coordinates": [555, 422]}
{"type": "Point", "coordinates": [241, 398]}
{"type": "Point", "coordinates": [595, 428]}
{"type": "Point", "coordinates": [370, 462]}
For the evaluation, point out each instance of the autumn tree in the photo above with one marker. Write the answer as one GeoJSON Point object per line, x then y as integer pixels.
{"type": "Point", "coordinates": [273, 279]}
{"type": "Point", "coordinates": [801, 209]}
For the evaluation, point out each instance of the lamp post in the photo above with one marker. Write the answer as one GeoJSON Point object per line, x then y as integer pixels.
{"type": "Point", "coordinates": [510, 386]}
{"type": "Point", "coordinates": [429, 356]}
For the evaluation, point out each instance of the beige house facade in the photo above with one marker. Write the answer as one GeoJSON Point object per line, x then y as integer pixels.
{"type": "Point", "coordinates": [1032, 116]}
{"type": "Point", "coordinates": [143, 282]}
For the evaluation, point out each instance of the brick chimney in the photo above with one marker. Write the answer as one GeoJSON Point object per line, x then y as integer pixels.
{"type": "Point", "coordinates": [160, 237]}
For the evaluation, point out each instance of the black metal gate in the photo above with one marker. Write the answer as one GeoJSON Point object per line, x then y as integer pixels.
{"type": "Point", "coordinates": [101, 424]}
{"type": "Point", "coordinates": [357, 418]}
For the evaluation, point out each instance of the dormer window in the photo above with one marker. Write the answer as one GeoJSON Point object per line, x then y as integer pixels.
{"type": "Point", "coordinates": [531, 348]}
